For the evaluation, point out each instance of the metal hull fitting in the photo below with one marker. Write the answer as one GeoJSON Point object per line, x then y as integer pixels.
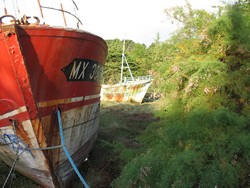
{"type": "Point", "coordinates": [43, 68]}
{"type": "Point", "coordinates": [125, 92]}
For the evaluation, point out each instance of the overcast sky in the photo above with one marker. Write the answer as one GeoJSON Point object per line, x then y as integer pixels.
{"type": "Point", "coordinates": [138, 20]}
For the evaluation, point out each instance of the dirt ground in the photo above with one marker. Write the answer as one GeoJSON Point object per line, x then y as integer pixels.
{"type": "Point", "coordinates": [120, 123]}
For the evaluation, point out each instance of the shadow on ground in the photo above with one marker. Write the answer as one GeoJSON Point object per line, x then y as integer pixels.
{"type": "Point", "coordinates": [120, 125]}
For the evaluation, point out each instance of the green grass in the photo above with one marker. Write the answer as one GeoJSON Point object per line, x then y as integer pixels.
{"type": "Point", "coordinates": [117, 143]}
{"type": "Point", "coordinates": [120, 125]}
{"type": "Point", "coordinates": [154, 145]}
{"type": "Point", "coordinates": [201, 148]}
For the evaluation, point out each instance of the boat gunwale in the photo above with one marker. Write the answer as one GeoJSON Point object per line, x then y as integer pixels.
{"type": "Point", "coordinates": [91, 37]}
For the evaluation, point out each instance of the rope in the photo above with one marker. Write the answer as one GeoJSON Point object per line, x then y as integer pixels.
{"type": "Point", "coordinates": [47, 148]}
{"type": "Point", "coordinates": [19, 155]}
{"type": "Point", "coordinates": [66, 151]}
{"type": "Point", "coordinates": [12, 167]}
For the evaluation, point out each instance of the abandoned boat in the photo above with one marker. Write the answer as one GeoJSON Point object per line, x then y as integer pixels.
{"type": "Point", "coordinates": [129, 89]}
{"type": "Point", "coordinates": [46, 70]}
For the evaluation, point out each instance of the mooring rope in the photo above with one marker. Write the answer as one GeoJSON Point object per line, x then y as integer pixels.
{"type": "Point", "coordinates": [66, 151]}
{"type": "Point", "coordinates": [18, 155]}
{"type": "Point", "coordinates": [12, 167]}
{"type": "Point", "coordinates": [47, 148]}
{"type": "Point", "coordinates": [27, 148]}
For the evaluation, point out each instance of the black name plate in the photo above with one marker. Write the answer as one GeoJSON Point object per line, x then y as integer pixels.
{"type": "Point", "coordinates": [83, 70]}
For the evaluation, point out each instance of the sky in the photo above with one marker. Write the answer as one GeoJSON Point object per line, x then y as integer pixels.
{"type": "Point", "coordinates": [137, 20]}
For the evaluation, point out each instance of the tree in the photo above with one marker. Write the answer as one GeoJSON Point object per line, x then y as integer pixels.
{"type": "Point", "coordinates": [136, 55]}
{"type": "Point", "coordinates": [192, 21]}
{"type": "Point", "coordinates": [204, 121]}
{"type": "Point", "coordinates": [113, 62]}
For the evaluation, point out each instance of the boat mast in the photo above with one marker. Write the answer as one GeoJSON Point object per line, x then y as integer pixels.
{"type": "Point", "coordinates": [123, 56]}
{"type": "Point", "coordinates": [127, 65]}
{"type": "Point", "coordinates": [40, 8]}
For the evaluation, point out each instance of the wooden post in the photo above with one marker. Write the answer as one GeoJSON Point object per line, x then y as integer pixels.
{"type": "Point", "coordinates": [65, 23]}
{"type": "Point", "coordinates": [41, 11]}
{"type": "Point", "coordinates": [5, 11]}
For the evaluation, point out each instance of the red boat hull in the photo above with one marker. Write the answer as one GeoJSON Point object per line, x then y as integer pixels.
{"type": "Point", "coordinates": [43, 68]}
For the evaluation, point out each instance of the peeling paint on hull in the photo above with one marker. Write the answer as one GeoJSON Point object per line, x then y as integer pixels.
{"type": "Point", "coordinates": [125, 92]}
{"type": "Point", "coordinates": [43, 68]}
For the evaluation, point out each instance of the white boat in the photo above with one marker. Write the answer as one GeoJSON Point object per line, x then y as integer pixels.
{"type": "Point", "coordinates": [129, 89]}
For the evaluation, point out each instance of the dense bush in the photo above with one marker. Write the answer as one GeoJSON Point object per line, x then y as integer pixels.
{"type": "Point", "coordinates": [199, 149]}
{"type": "Point", "coordinates": [202, 138]}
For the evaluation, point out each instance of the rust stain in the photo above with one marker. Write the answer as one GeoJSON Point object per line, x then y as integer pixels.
{"type": "Point", "coordinates": [53, 139]}
{"type": "Point", "coordinates": [24, 135]}
{"type": "Point", "coordinates": [133, 92]}
{"type": "Point", "coordinates": [42, 130]}
{"type": "Point", "coordinates": [39, 132]}
{"type": "Point", "coordinates": [119, 97]}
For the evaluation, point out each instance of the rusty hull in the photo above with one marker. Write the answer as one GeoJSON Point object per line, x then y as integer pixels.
{"type": "Point", "coordinates": [33, 85]}
{"type": "Point", "coordinates": [125, 92]}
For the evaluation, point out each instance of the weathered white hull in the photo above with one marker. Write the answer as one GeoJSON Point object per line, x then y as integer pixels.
{"type": "Point", "coordinates": [30, 163]}
{"type": "Point", "coordinates": [125, 92]}
{"type": "Point", "coordinates": [80, 128]}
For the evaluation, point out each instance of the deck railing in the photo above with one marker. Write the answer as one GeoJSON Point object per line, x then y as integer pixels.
{"type": "Point", "coordinates": [137, 78]}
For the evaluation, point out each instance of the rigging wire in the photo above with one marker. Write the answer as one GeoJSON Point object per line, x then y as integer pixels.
{"type": "Point", "coordinates": [75, 8]}
{"type": "Point", "coordinates": [63, 11]}
{"type": "Point", "coordinates": [75, 5]}
{"type": "Point", "coordinates": [15, 7]}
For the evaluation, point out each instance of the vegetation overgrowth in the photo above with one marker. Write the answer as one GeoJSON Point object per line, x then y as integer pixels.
{"type": "Point", "coordinates": [202, 74]}
{"type": "Point", "coordinates": [199, 133]}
